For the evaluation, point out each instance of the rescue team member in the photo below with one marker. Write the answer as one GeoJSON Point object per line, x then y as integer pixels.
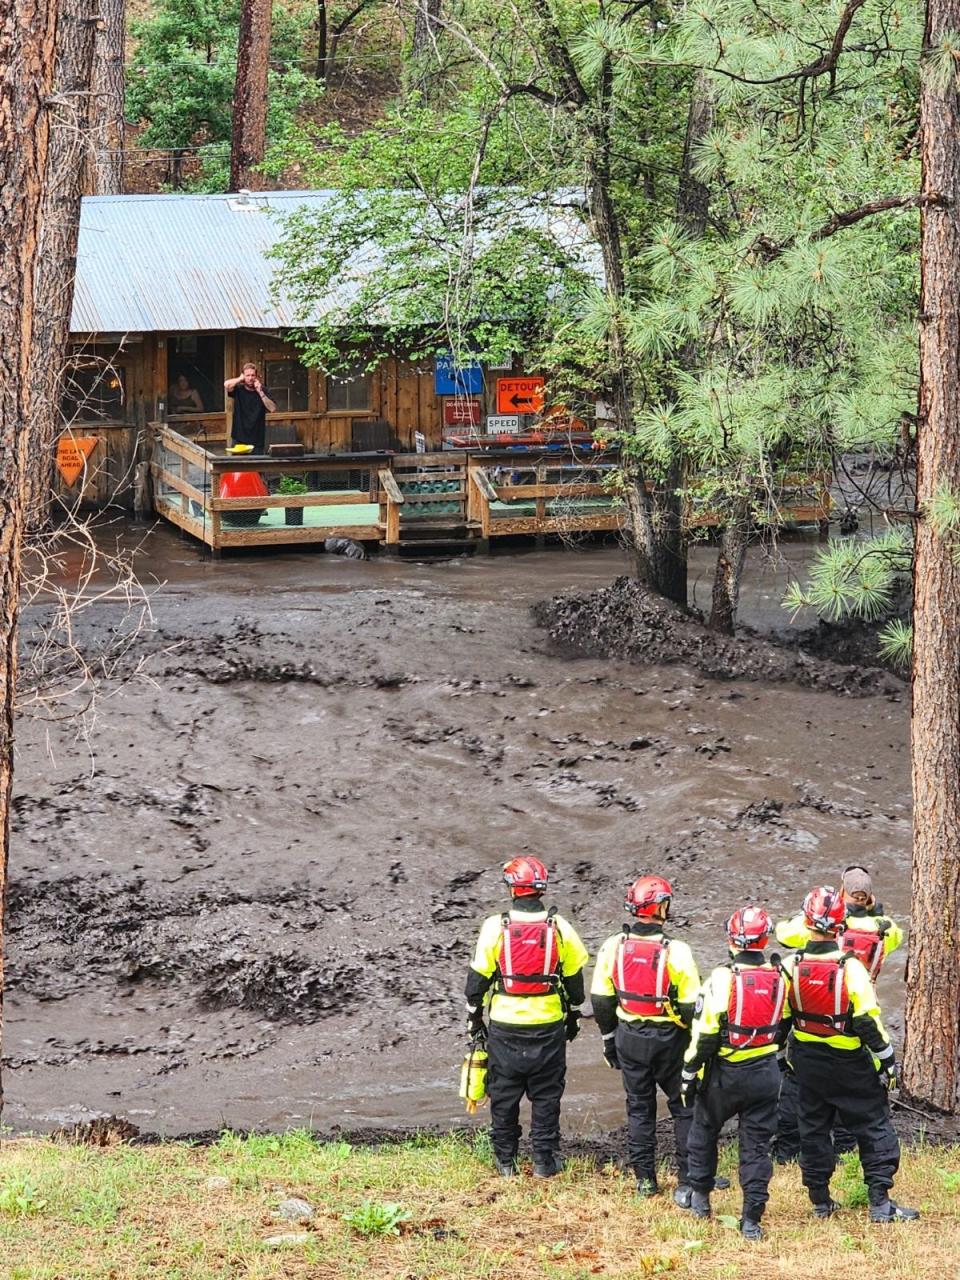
{"type": "Point", "coordinates": [739, 1025]}
{"type": "Point", "coordinates": [528, 965]}
{"type": "Point", "coordinates": [644, 990]}
{"type": "Point", "coordinates": [869, 935]}
{"type": "Point", "coordinates": [840, 1052]}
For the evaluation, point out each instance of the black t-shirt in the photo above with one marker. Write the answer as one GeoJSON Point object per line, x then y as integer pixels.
{"type": "Point", "coordinates": [249, 417]}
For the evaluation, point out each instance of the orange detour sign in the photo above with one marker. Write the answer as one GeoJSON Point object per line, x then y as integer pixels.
{"type": "Point", "coordinates": [72, 455]}
{"type": "Point", "coordinates": [519, 395]}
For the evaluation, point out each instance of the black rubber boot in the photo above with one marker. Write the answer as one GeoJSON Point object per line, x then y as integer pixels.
{"type": "Point", "coordinates": [547, 1167]}
{"type": "Point", "coordinates": [683, 1195]}
{"type": "Point", "coordinates": [647, 1187]}
{"type": "Point", "coordinates": [507, 1168]}
{"type": "Point", "coordinates": [721, 1184]}
{"type": "Point", "coordinates": [887, 1211]}
{"type": "Point", "coordinates": [750, 1229]}
{"type": "Point", "coordinates": [825, 1208]}
{"type": "Point", "coordinates": [700, 1204]}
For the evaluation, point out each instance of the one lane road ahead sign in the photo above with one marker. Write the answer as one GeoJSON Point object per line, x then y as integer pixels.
{"type": "Point", "coordinates": [520, 395]}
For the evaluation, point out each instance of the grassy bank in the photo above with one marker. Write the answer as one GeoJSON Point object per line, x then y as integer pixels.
{"type": "Point", "coordinates": [425, 1209]}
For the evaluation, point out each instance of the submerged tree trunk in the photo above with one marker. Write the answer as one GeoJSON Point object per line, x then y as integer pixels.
{"type": "Point", "coordinates": [57, 257]}
{"type": "Point", "coordinates": [931, 1067]}
{"type": "Point", "coordinates": [27, 33]}
{"type": "Point", "coordinates": [106, 103]}
{"type": "Point", "coordinates": [250, 95]}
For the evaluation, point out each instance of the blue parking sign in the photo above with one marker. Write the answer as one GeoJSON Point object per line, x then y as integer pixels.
{"type": "Point", "coordinates": [451, 379]}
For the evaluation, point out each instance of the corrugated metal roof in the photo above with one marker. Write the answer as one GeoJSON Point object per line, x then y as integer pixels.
{"type": "Point", "coordinates": [179, 263]}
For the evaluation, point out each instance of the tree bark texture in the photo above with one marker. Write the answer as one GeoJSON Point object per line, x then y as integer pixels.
{"type": "Point", "coordinates": [57, 256]}
{"type": "Point", "coordinates": [425, 35]}
{"type": "Point", "coordinates": [932, 1055]}
{"type": "Point", "coordinates": [106, 102]}
{"type": "Point", "coordinates": [734, 540]}
{"type": "Point", "coordinates": [27, 35]}
{"type": "Point", "coordinates": [250, 95]}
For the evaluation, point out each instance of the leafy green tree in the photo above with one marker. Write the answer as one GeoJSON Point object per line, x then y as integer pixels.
{"type": "Point", "coordinates": [181, 83]}
{"type": "Point", "coordinates": [743, 331]}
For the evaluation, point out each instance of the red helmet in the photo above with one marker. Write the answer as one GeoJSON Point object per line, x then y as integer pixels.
{"type": "Point", "coordinates": [823, 909]}
{"type": "Point", "coordinates": [749, 929]}
{"type": "Point", "coordinates": [525, 876]}
{"type": "Point", "coordinates": [645, 895]}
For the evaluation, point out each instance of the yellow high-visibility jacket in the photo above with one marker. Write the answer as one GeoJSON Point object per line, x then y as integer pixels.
{"type": "Point", "coordinates": [867, 1026]}
{"type": "Point", "coordinates": [526, 1011]}
{"type": "Point", "coordinates": [681, 967]}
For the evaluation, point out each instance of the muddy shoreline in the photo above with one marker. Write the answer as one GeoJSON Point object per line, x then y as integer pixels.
{"type": "Point", "coordinates": [249, 900]}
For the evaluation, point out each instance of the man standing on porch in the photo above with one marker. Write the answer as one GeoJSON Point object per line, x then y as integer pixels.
{"type": "Point", "coordinates": [251, 404]}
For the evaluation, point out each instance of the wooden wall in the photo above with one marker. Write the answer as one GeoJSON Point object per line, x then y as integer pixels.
{"type": "Point", "coordinates": [401, 394]}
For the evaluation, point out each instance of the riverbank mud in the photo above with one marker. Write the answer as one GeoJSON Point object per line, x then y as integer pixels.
{"type": "Point", "coordinates": [249, 899]}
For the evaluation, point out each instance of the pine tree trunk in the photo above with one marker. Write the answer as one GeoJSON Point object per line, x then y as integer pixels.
{"type": "Point", "coordinates": [729, 571]}
{"type": "Point", "coordinates": [57, 257]}
{"type": "Point", "coordinates": [932, 1056]}
{"type": "Point", "coordinates": [27, 34]}
{"type": "Point", "coordinates": [106, 109]}
{"type": "Point", "coordinates": [250, 95]}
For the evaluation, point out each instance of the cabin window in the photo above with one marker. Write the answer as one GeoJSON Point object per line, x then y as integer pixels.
{"type": "Point", "coordinates": [195, 374]}
{"type": "Point", "coordinates": [288, 384]}
{"type": "Point", "coordinates": [349, 390]}
{"type": "Point", "coordinates": [95, 391]}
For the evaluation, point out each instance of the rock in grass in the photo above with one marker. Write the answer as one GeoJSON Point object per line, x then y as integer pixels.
{"type": "Point", "coordinates": [287, 1239]}
{"type": "Point", "coordinates": [294, 1210]}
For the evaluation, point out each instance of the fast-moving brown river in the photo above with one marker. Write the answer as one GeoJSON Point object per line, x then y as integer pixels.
{"type": "Point", "coordinates": [252, 904]}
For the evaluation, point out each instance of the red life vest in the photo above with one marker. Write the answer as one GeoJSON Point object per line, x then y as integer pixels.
{"type": "Point", "coordinates": [529, 963]}
{"type": "Point", "coordinates": [819, 998]}
{"type": "Point", "coordinates": [755, 1006]}
{"type": "Point", "coordinates": [867, 946]}
{"type": "Point", "coordinates": [641, 978]}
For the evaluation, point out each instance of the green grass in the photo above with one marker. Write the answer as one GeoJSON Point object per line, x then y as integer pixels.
{"type": "Point", "coordinates": [427, 1209]}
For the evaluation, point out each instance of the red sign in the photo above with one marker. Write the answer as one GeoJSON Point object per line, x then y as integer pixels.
{"type": "Point", "coordinates": [520, 395]}
{"type": "Point", "coordinates": [72, 455]}
{"type": "Point", "coordinates": [461, 412]}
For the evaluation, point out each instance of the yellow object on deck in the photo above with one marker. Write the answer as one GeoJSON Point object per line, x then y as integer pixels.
{"type": "Point", "coordinates": [240, 448]}
{"type": "Point", "coordinates": [473, 1079]}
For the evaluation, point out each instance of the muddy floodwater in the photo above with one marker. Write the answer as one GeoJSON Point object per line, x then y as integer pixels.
{"type": "Point", "coordinates": [250, 898]}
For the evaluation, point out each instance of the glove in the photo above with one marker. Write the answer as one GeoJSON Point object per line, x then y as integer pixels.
{"type": "Point", "coordinates": [689, 1083]}
{"type": "Point", "coordinates": [610, 1050]}
{"type": "Point", "coordinates": [783, 1062]}
{"type": "Point", "coordinates": [573, 1024]}
{"type": "Point", "coordinates": [475, 1025]}
{"type": "Point", "coordinates": [890, 1073]}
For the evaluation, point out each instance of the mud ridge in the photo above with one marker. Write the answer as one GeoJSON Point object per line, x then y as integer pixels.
{"type": "Point", "coordinates": [625, 621]}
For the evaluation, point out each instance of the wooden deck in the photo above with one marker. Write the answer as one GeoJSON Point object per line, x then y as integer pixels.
{"type": "Point", "coordinates": [407, 500]}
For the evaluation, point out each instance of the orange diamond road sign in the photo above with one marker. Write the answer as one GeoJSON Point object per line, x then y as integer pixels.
{"type": "Point", "coordinates": [72, 455]}
{"type": "Point", "coordinates": [520, 395]}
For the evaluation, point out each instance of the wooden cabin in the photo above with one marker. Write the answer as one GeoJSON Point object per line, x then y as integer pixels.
{"type": "Point", "coordinates": [182, 285]}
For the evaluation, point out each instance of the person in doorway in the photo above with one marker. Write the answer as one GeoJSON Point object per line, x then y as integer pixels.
{"type": "Point", "coordinates": [871, 936]}
{"type": "Point", "coordinates": [843, 1061]}
{"type": "Point", "coordinates": [643, 992]}
{"type": "Point", "coordinates": [740, 1023]}
{"type": "Point", "coordinates": [527, 971]}
{"type": "Point", "coordinates": [251, 404]}
{"type": "Point", "coordinates": [182, 397]}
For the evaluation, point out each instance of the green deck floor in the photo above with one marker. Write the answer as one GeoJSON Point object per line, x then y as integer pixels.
{"type": "Point", "coordinates": [359, 513]}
